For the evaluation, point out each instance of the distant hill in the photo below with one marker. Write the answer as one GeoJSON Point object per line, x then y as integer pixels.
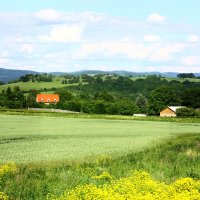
{"type": "Point", "coordinates": [122, 73]}
{"type": "Point", "coordinates": [119, 72]}
{"type": "Point", "coordinates": [11, 74]}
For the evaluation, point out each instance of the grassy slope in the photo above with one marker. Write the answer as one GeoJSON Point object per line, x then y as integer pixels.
{"type": "Point", "coordinates": [169, 160]}
{"type": "Point", "coordinates": [27, 86]}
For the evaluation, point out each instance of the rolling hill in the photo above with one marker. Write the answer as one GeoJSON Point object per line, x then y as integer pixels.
{"type": "Point", "coordinates": [7, 75]}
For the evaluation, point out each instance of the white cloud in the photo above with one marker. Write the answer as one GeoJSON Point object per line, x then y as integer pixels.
{"type": "Point", "coordinates": [48, 15]}
{"type": "Point", "coordinates": [129, 51]}
{"type": "Point", "coordinates": [64, 33]}
{"type": "Point", "coordinates": [152, 38]}
{"type": "Point", "coordinates": [4, 61]}
{"type": "Point", "coordinates": [191, 60]}
{"type": "Point", "coordinates": [88, 40]}
{"type": "Point", "coordinates": [4, 54]}
{"type": "Point", "coordinates": [27, 48]}
{"type": "Point", "coordinates": [19, 39]}
{"type": "Point", "coordinates": [166, 52]}
{"type": "Point", "coordinates": [193, 38]}
{"type": "Point", "coordinates": [156, 19]}
{"type": "Point", "coordinates": [112, 49]}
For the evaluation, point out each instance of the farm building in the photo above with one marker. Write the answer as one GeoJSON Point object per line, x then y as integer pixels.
{"type": "Point", "coordinates": [47, 98]}
{"type": "Point", "coordinates": [170, 111]}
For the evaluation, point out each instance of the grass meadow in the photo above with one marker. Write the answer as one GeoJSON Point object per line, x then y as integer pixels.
{"type": "Point", "coordinates": [55, 154]}
{"type": "Point", "coordinates": [27, 86]}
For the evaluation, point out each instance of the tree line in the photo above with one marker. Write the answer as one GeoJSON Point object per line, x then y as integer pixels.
{"type": "Point", "coordinates": [114, 95]}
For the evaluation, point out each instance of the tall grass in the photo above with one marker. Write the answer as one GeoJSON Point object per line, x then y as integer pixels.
{"type": "Point", "coordinates": [171, 159]}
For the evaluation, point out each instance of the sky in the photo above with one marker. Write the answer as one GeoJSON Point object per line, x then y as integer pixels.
{"type": "Point", "coordinates": [73, 35]}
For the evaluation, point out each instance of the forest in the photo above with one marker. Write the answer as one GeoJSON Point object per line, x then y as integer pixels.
{"type": "Point", "coordinates": [108, 94]}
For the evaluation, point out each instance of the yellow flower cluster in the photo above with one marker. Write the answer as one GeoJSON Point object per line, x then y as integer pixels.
{"type": "Point", "coordinates": [139, 186]}
{"type": "Point", "coordinates": [103, 176]}
{"type": "Point", "coordinates": [3, 196]}
{"type": "Point", "coordinates": [9, 168]}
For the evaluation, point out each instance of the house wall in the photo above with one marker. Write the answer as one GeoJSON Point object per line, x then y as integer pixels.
{"type": "Point", "coordinates": [167, 113]}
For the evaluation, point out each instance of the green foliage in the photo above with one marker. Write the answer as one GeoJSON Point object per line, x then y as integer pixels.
{"type": "Point", "coordinates": [36, 77]}
{"type": "Point", "coordinates": [72, 105]}
{"type": "Point", "coordinates": [186, 75]}
{"type": "Point", "coordinates": [99, 107]}
{"type": "Point", "coordinates": [160, 98]}
{"type": "Point", "coordinates": [104, 95]}
{"type": "Point", "coordinates": [141, 102]}
{"type": "Point", "coordinates": [126, 107]}
{"type": "Point", "coordinates": [31, 99]}
{"type": "Point", "coordinates": [185, 112]}
{"type": "Point", "coordinates": [12, 98]}
{"type": "Point", "coordinates": [191, 97]}
{"type": "Point", "coordinates": [117, 94]}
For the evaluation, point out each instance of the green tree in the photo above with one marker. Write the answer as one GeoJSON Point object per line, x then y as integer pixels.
{"type": "Point", "coordinates": [191, 97]}
{"type": "Point", "coordinates": [127, 107]}
{"type": "Point", "coordinates": [72, 105]}
{"type": "Point", "coordinates": [161, 97]}
{"type": "Point", "coordinates": [141, 102]}
{"type": "Point", "coordinates": [183, 112]}
{"type": "Point", "coordinates": [31, 99]}
{"type": "Point", "coordinates": [99, 107]}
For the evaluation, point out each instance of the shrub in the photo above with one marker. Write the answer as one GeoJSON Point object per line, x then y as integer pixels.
{"type": "Point", "coordinates": [184, 112]}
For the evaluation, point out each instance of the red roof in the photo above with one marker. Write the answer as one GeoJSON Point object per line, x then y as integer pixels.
{"type": "Point", "coordinates": [47, 98]}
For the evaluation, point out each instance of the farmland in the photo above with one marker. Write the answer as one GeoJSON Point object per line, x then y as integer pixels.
{"type": "Point", "coordinates": [56, 153]}
{"type": "Point", "coordinates": [38, 138]}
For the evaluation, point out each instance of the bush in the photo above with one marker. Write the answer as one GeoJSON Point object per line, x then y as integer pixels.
{"type": "Point", "coordinates": [184, 112]}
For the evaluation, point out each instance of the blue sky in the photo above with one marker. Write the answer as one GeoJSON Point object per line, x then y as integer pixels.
{"type": "Point", "coordinates": [66, 35]}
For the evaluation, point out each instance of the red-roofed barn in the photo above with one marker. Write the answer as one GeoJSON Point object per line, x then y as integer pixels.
{"type": "Point", "coordinates": [47, 98]}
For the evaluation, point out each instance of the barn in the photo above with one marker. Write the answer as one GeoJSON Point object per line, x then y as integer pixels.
{"type": "Point", "coordinates": [47, 98]}
{"type": "Point", "coordinates": [170, 111]}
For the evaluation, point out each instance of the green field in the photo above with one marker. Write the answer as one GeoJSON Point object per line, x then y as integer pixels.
{"type": "Point", "coordinates": [55, 153]}
{"type": "Point", "coordinates": [27, 86]}
{"type": "Point", "coordinates": [25, 139]}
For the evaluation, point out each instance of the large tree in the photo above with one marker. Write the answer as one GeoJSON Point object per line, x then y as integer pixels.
{"type": "Point", "coordinates": [160, 98]}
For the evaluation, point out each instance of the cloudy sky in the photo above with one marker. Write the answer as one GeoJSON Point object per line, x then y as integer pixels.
{"type": "Point", "coordinates": [72, 35]}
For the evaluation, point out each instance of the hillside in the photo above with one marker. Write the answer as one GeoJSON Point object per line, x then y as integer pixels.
{"type": "Point", "coordinates": [7, 75]}
{"type": "Point", "coordinates": [119, 73]}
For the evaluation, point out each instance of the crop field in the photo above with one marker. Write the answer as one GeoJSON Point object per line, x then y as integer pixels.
{"type": "Point", "coordinates": [29, 139]}
{"type": "Point", "coordinates": [58, 157]}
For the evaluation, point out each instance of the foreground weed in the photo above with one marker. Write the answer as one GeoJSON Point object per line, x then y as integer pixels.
{"type": "Point", "coordinates": [5, 169]}
{"type": "Point", "coordinates": [139, 186]}
{"type": "Point", "coordinates": [8, 168]}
